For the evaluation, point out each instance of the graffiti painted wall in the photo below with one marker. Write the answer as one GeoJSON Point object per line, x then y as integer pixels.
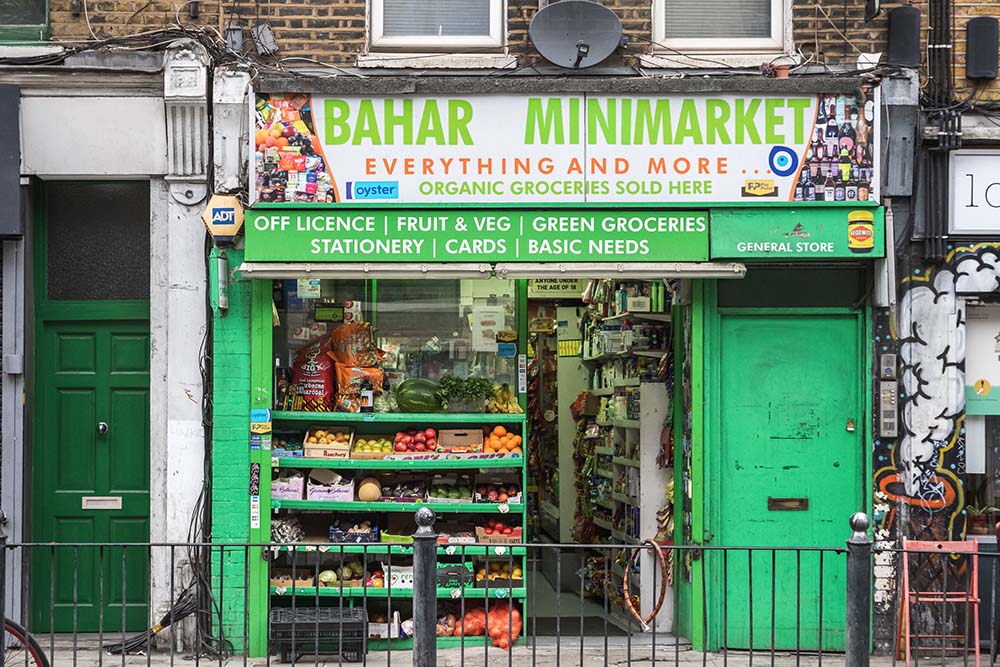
{"type": "Point", "coordinates": [921, 476]}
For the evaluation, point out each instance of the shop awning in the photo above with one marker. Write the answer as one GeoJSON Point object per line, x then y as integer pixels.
{"type": "Point", "coordinates": [638, 270]}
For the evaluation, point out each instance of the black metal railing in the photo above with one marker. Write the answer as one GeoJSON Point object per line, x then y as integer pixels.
{"type": "Point", "coordinates": [495, 603]}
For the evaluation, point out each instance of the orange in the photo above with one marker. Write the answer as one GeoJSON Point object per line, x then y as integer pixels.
{"type": "Point", "coordinates": [517, 450]}
{"type": "Point", "coordinates": [516, 440]}
{"type": "Point", "coordinates": [261, 136]}
{"type": "Point", "coordinates": [499, 431]}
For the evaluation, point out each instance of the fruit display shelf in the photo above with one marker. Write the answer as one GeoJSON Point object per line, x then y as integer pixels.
{"type": "Point", "coordinates": [399, 417]}
{"type": "Point", "coordinates": [399, 464]}
{"type": "Point", "coordinates": [407, 550]}
{"type": "Point", "coordinates": [391, 506]}
{"type": "Point", "coordinates": [406, 643]}
{"type": "Point", "coordinates": [499, 592]}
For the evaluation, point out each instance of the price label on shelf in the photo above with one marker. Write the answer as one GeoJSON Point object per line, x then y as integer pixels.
{"type": "Point", "coordinates": [499, 551]}
{"type": "Point", "coordinates": [503, 508]}
{"type": "Point", "coordinates": [502, 592]}
{"type": "Point", "coordinates": [450, 551]}
{"type": "Point", "coordinates": [455, 594]}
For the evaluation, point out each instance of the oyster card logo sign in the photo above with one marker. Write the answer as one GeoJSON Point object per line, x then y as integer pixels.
{"type": "Point", "coordinates": [563, 148]}
{"type": "Point", "coordinates": [476, 235]}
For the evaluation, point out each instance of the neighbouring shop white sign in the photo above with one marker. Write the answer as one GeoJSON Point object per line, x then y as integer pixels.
{"type": "Point", "coordinates": [565, 148]}
{"type": "Point", "coordinates": [974, 192]}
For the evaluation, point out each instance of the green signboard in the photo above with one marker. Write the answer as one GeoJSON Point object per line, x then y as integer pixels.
{"type": "Point", "coordinates": [476, 235]}
{"type": "Point", "coordinates": [798, 233]}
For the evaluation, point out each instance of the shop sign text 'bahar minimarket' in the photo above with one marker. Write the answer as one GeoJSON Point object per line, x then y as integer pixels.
{"type": "Point", "coordinates": [471, 235]}
{"type": "Point", "coordinates": [503, 149]}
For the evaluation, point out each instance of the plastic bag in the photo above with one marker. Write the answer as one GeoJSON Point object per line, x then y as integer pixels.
{"type": "Point", "coordinates": [351, 344]}
{"type": "Point", "coordinates": [313, 378]}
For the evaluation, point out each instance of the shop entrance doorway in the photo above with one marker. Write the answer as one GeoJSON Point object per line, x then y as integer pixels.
{"type": "Point", "coordinates": [791, 428]}
{"type": "Point", "coordinates": [91, 412]}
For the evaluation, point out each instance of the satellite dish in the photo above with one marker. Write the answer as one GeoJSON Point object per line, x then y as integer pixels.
{"type": "Point", "coordinates": [575, 33]}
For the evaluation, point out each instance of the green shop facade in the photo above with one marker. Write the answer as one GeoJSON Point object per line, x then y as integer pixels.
{"type": "Point", "coordinates": [392, 210]}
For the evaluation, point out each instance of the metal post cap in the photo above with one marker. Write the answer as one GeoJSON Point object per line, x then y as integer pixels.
{"type": "Point", "coordinates": [859, 522]}
{"type": "Point", "coordinates": [425, 517]}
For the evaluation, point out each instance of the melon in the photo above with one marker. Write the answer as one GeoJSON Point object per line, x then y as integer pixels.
{"type": "Point", "coordinates": [369, 490]}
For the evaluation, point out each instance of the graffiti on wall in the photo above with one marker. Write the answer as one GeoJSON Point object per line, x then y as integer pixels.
{"type": "Point", "coordinates": [924, 469]}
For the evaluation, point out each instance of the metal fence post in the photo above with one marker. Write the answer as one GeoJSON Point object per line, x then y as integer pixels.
{"type": "Point", "coordinates": [425, 590]}
{"type": "Point", "coordinates": [859, 593]}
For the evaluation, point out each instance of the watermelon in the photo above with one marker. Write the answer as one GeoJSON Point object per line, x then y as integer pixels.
{"type": "Point", "coordinates": [418, 395]}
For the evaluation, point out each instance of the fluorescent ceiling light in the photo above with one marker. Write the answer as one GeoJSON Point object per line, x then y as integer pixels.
{"type": "Point", "coordinates": [640, 270]}
{"type": "Point", "coordinates": [364, 270]}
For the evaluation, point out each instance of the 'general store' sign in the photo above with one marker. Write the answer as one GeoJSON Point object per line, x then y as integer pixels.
{"type": "Point", "coordinates": [475, 235]}
{"type": "Point", "coordinates": [565, 148]}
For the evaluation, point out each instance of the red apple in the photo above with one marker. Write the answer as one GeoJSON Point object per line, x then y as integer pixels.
{"type": "Point", "coordinates": [430, 434]}
{"type": "Point", "coordinates": [419, 437]}
{"type": "Point", "coordinates": [488, 531]}
{"type": "Point", "coordinates": [399, 436]}
{"type": "Point", "coordinates": [420, 447]}
{"type": "Point", "coordinates": [406, 440]}
{"type": "Point", "coordinates": [507, 531]}
{"type": "Point", "coordinates": [400, 447]}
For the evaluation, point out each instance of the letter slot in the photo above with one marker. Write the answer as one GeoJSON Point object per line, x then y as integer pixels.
{"type": "Point", "coordinates": [787, 504]}
{"type": "Point", "coordinates": [102, 502]}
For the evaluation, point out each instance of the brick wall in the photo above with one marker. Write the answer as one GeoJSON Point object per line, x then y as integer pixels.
{"type": "Point", "coordinates": [333, 31]}
{"type": "Point", "coordinates": [230, 446]}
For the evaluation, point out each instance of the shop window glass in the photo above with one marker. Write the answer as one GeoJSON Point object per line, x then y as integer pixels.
{"type": "Point", "coordinates": [427, 328]}
{"type": "Point", "coordinates": [97, 240]}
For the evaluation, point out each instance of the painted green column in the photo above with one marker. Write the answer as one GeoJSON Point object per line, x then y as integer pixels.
{"type": "Point", "coordinates": [230, 450]}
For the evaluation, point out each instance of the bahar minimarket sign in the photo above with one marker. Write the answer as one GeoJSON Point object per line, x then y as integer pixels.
{"type": "Point", "coordinates": [581, 148]}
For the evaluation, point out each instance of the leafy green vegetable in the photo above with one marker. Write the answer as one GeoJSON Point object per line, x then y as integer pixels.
{"type": "Point", "coordinates": [468, 391]}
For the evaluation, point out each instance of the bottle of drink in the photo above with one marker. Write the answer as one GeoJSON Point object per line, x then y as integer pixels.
{"type": "Point", "coordinates": [848, 136]}
{"type": "Point", "coordinates": [832, 129]}
{"type": "Point", "coordinates": [817, 146]}
{"type": "Point", "coordinates": [808, 187]}
{"type": "Point", "coordinates": [851, 192]}
{"type": "Point", "coordinates": [830, 185]}
{"type": "Point", "coordinates": [845, 164]}
{"type": "Point", "coordinates": [863, 191]}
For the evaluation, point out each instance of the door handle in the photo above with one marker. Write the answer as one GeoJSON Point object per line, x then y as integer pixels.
{"type": "Point", "coordinates": [102, 428]}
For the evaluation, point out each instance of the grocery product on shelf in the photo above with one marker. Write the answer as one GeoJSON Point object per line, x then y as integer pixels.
{"type": "Point", "coordinates": [415, 440]}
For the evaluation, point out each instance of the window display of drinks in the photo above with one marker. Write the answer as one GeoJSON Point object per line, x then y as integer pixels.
{"type": "Point", "coordinates": [395, 346]}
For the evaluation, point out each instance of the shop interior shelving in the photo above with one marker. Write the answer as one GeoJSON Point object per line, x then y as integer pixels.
{"type": "Point", "coordinates": [416, 465]}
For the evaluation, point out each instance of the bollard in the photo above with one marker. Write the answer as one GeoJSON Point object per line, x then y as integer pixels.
{"type": "Point", "coordinates": [859, 591]}
{"type": "Point", "coordinates": [425, 590]}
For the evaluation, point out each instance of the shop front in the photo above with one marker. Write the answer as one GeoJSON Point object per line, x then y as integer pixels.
{"type": "Point", "coordinates": [620, 318]}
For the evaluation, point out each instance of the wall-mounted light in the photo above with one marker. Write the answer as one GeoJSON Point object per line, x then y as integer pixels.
{"type": "Point", "coordinates": [222, 280]}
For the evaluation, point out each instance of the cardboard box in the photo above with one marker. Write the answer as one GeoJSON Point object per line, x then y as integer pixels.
{"type": "Point", "coordinates": [388, 630]}
{"type": "Point", "coordinates": [505, 481]}
{"type": "Point", "coordinates": [460, 441]}
{"type": "Point", "coordinates": [284, 578]}
{"type": "Point", "coordinates": [325, 484]}
{"type": "Point", "coordinates": [329, 451]}
{"type": "Point", "coordinates": [517, 537]}
{"type": "Point", "coordinates": [289, 489]}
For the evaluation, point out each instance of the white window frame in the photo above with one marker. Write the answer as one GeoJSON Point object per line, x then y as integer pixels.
{"type": "Point", "coordinates": [779, 42]}
{"type": "Point", "coordinates": [443, 44]}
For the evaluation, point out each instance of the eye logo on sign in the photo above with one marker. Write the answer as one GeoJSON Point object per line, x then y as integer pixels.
{"type": "Point", "coordinates": [783, 161]}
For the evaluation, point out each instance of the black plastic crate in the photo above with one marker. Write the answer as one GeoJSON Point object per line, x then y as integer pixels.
{"type": "Point", "coordinates": [320, 631]}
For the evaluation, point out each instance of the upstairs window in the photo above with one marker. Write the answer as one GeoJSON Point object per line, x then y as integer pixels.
{"type": "Point", "coordinates": [719, 26]}
{"type": "Point", "coordinates": [437, 26]}
{"type": "Point", "coordinates": [24, 20]}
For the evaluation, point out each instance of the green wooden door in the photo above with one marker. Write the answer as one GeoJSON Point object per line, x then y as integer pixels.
{"type": "Point", "coordinates": [92, 484]}
{"type": "Point", "coordinates": [792, 472]}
